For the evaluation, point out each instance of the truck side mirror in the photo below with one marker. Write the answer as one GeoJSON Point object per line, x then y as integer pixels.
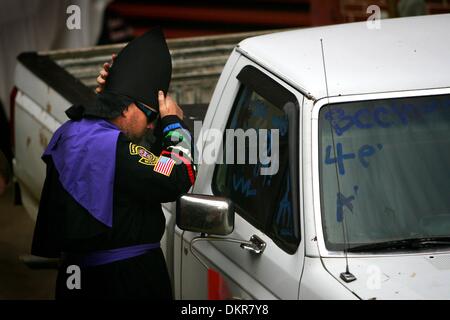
{"type": "Point", "coordinates": [205, 214]}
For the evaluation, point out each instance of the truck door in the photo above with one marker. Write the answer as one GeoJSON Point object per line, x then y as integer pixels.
{"type": "Point", "coordinates": [255, 109]}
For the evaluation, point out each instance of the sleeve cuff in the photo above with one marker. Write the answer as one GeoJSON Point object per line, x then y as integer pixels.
{"type": "Point", "coordinates": [171, 120]}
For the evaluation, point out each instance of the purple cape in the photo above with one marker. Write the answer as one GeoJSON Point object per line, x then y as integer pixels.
{"type": "Point", "coordinates": [84, 154]}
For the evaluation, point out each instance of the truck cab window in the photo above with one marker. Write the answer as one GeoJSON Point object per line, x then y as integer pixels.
{"type": "Point", "coordinates": [256, 138]}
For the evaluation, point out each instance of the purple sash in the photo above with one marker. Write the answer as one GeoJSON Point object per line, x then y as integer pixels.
{"type": "Point", "coordinates": [98, 258]}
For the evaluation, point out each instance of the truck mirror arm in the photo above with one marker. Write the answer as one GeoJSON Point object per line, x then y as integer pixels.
{"type": "Point", "coordinates": [255, 245]}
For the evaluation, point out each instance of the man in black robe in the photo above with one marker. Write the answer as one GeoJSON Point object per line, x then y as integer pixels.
{"type": "Point", "coordinates": [100, 209]}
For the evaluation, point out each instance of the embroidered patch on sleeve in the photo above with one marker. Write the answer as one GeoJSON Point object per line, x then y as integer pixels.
{"type": "Point", "coordinates": [147, 158]}
{"type": "Point", "coordinates": [164, 166]}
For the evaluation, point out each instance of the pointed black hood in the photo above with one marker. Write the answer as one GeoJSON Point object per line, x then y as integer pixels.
{"type": "Point", "coordinates": [142, 68]}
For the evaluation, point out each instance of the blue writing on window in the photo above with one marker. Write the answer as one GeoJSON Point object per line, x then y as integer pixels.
{"type": "Point", "coordinates": [341, 202]}
{"type": "Point", "coordinates": [364, 153]}
{"type": "Point", "coordinates": [240, 184]}
{"type": "Point", "coordinates": [283, 218]}
{"type": "Point", "coordinates": [340, 157]}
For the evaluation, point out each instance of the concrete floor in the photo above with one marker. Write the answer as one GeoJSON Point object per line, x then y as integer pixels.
{"type": "Point", "coordinates": [17, 281]}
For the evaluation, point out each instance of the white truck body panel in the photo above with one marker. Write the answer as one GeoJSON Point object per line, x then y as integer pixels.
{"type": "Point", "coordinates": [311, 230]}
{"type": "Point", "coordinates": [42, 94]}
{"type": "Point", "coordinates": [415, 276]}
{"type": "Point", "coordinates": [39, 125]}
{"type": "Point", "coordinates": [379, 59]}
{"type": "Point", "coordinates": [38, 119]}
{"type": "Point", "coordinates": [318, 284]}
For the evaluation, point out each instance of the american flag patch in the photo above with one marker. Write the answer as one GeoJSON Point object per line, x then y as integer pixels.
{"type": "Point", "coordinates": [164, 166]}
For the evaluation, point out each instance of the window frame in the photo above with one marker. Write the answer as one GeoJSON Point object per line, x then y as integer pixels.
{"type": "Point", "coordinates": [268, 88]}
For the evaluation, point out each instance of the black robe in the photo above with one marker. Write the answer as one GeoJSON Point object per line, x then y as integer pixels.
{"type": "Point", "coordinates": [65, 226]}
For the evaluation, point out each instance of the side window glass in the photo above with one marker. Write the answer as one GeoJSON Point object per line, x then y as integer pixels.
{"type": "Point", "coordinates": [255, 172]}
{"type": "Point", "coordinates": [283, 227]}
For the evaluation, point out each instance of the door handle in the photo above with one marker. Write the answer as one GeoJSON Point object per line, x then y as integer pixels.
{"type": "Point", "coordinates": [255, 245]}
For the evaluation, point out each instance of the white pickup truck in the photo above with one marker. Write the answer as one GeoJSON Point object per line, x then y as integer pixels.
{"type": "Point", "coordinates": [359, 204]}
